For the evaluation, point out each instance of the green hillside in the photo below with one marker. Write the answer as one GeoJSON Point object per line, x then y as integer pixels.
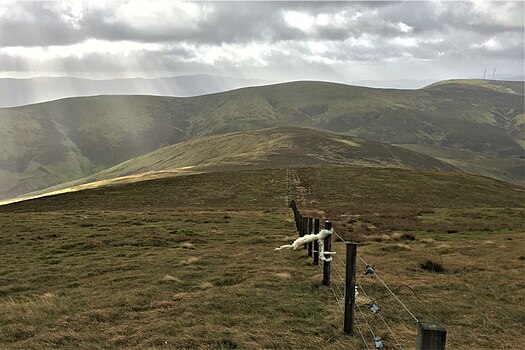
{"type": "Point", "coordinates": [333, 187]}
{"type": "Point", "coordinates": [49, 143]}
{"type": "Point", "coordinates": [264, 148]}
{"type": "Point", "coordinates": [273, 148]}
{"type": "Point", "coordinates": [501, 168]}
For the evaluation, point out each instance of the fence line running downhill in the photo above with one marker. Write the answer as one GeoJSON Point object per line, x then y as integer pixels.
{"type": "Point", "coordinates": [340, 276]}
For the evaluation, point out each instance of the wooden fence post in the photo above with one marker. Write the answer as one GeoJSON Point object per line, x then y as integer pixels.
{"type": "Point", "coordinates": [305, 228]}
{"type": "Point", "coordinates": [293, 205]}
{"type": "Point", "coordinates": [348, 324]}
{"type": "Point", "coordinates": [327, 247]}
{"type": "Point", "coordinates": [430, 337]}
{"type": "Point", "coordinates": [310, 228]}
{"type": "Point", "coordinates": [316, 244]}
{"type": "Point", "coordinates": [299, 222]}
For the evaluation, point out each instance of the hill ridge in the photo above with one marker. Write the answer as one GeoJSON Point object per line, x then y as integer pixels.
{"type": "Point", "coordinates": [271, 148]}
{"type": "Point", "coordinates": [59, 141]}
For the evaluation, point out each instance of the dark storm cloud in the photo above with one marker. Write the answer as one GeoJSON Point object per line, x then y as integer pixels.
{"type": "Point", "coordinates": [49, 23]}
{"type": "Point", "coordinates": [35, 24]}
{"type": "Point", "coordinates": [242, 35]}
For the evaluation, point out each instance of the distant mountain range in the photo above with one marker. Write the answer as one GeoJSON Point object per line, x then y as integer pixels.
{"type": "Point", "coordinates": [18, 92]}
{"type": "Point", "coordinates": [475, 126]}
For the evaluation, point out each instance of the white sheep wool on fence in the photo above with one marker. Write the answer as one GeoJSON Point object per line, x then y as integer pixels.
{"type": "Point", "coordinates": [319, 237]}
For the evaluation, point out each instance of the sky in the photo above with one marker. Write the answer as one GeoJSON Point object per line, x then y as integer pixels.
{"type": "Point", "coordinates": [277, 41]}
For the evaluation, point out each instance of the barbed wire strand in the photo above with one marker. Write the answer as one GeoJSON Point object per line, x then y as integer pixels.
{"type": "Point", "coordinates": [340, 260]}
{"type": "Point", "coordinates": [355, 320]}
{"type": "Point", "coordinates": [391, 332]}
{"type": "Point", "coordinates": [361, 333]}
{"type": "Point", "coordinates": [337, 272]}
{"type": "Point", "coordinates": [339, 302]}
{"type": "Point", "coordinates": [337, 286]}
{"type": "Point", "coordinates": [382, 319]}
{"type": "Point", "coordinates": [341, 238]}
{"type": "Point", "coordinates": [395, 296]}
{"type": "Point", "coordinates": [368, 324]}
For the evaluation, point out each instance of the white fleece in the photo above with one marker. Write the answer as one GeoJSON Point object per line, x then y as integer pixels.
{"type": "Point", "coordinates": [310, 238]}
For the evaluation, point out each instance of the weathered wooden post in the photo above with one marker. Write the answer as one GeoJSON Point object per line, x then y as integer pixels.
{"type": "Point", "coordinates": [316, 244]}
{"type": "Point", "coordinates": [305, 228]}
{"type": "Point", "coordinates": [310, 228]}
{"type": "Point", "coordinates": [299, 222]}
{"type": "Point", "coordinates": [351, 252]}
{"type": "Point", "coordinates": [430, 337]}
{"type": "Point", "coordinates": [327, 247]}
{"type": "Point", "coordinates": [293, 205]}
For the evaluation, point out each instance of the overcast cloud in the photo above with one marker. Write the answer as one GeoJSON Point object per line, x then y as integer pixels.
{"type": "Point", "coordinates": [341, 41]}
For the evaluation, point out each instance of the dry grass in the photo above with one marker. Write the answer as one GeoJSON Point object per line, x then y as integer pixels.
{"type": "Point", "coordinates": [152, 276]}
{"type": "Point", "coordinates": [478, 297]}
{"type": "Point", "coordinates": [115, 285]}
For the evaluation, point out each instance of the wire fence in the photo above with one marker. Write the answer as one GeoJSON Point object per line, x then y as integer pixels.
{"type": "Point", "coordinates": [375, 327]}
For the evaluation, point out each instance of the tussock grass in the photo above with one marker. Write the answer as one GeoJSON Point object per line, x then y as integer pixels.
{"type": "Point", "coordinates": [432, 266]}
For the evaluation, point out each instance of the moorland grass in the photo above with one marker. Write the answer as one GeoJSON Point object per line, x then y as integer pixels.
{"type": "Point", "coordinates": [188, 262]}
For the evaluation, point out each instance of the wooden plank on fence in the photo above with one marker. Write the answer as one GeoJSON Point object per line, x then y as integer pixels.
{"type": "Point", "coordinates": [327, 247]}
{"type": "Point", "coordinates": [348, 323]}
{"type": "Point", "coordinates": [316, 244]}
{"type": "Point", "coordinates": [430, 337]}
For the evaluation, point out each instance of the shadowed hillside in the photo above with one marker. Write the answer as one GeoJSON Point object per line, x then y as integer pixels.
{"type": "Point", "coordinates": [274, 148]}
{"type": "Point", "coordinates": [265, 148]}
{"type": "Point", "coordinates": [50, 143]}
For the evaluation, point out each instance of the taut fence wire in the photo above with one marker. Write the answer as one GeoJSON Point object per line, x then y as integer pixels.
{"type": "Point", "coordinates": [340, 276]}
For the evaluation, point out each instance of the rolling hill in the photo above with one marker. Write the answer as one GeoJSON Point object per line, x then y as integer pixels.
{"type": "Point", "coordinates": [273, 148]}
{"type": "Point", "coordinates": [18, 92]}
{"type": "Point", "coordinates": [50, 143]}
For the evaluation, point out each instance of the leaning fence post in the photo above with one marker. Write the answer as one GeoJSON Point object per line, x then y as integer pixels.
{"type": "Point", "coordinates": [316, 244]}
{"type": "Point", "coordinates": [327, 247]}
{"type": "Point", "coordinates": [293, 205]}
{"type": "Point", "coordinates": [348, 324]}
{"type": "Point", "coordinates": [305, 228]}
{"type": "Point", "coordinates": [430, 337]}
{"type": "Point", "coordinates": [310, 227]}
{"type": "Point", "coordinates": [299, 222]}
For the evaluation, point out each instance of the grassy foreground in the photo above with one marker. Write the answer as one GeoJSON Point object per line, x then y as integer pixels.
{"type": "Point", "coordinates": [188, 262]}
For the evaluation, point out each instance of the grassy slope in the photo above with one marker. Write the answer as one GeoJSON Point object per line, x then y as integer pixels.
{"type": "Point", "coordinates": [501, 168]}
{"type": "Point", "coordinates": [188, 262]}
{"type": "Point", "coordinates": [272, 148]}
{"type": "Point", "coordinates": [265, 148]}
{"type": "Point", "coordinates": [512, 87]}
{"type": "Point", "coordinates": [70, 138]}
